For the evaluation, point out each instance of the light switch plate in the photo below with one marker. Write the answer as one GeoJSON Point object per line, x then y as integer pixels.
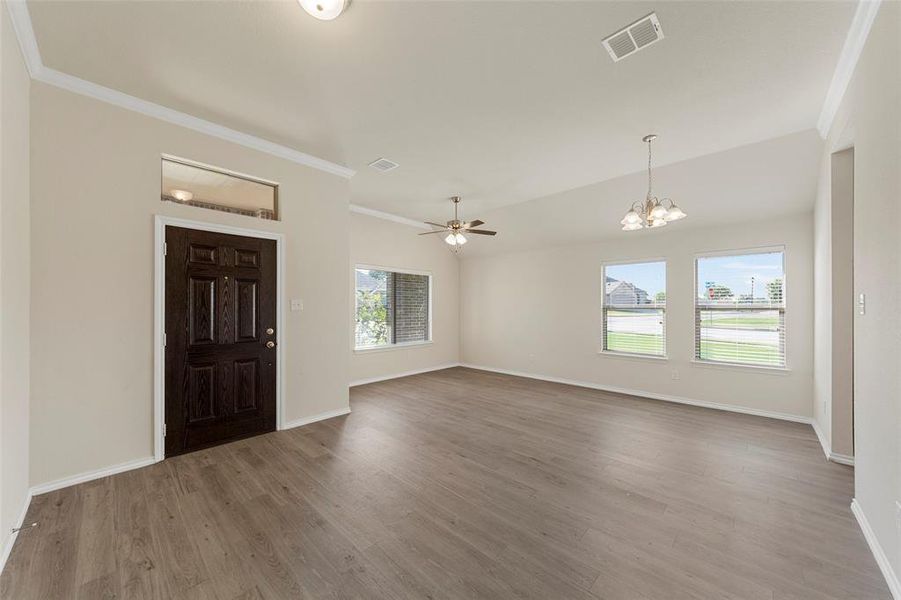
{"type": "Point", "coordinates": [296, 305]}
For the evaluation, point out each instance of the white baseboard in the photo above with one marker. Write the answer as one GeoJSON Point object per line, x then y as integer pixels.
{"type": "Point", "coordinates": [320, 417]}
{"type": "Point", "coordinates": [65, 482]}
{"type": "Point", "coordinates": [59, 484]}
{"type": "Point", "coordinates": [894, 585]}
{"type": "Point", "coordinates": [11, 538]}
{"type": "Point", "coordinates": [652, 395]}
{"type": "Point", "coordinates": [404, 374]}
{"type": "Point", "coordinates": [824, 443]}
{"type": "Point", "coordinates": [842, 459]}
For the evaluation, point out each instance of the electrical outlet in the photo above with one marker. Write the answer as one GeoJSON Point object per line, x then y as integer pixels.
{"type": "Point", "coordinates": [675, 375]}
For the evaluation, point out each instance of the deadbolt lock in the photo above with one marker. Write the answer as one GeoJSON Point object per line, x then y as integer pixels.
{"type": "Point", "coordinates": [270, 344]}
{"type": "Point", "coordinates": [270, 331]}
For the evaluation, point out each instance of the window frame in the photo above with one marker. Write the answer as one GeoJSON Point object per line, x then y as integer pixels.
{"type": "Point", "coordinates": [695, 359]}
{"type": "Point", "coordinates": [391, 345]}
{"type": "Point", "coordinates": [603, 305]}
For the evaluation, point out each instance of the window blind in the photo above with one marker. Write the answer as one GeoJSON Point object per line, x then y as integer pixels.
{"type": "Point", "coordinates": [634, 308]}
{"type": "Point", "coordinates": [740, 309]}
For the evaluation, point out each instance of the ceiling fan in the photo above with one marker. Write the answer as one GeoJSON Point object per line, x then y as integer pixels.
{"type": "Point", "coordinates": [456, 228]}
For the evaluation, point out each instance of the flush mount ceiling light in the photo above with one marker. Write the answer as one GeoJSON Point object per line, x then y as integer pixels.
{"type": "Point", "coordinates": [324, 10]}
{"type": "Point", "coordinates": [651, 212]}
{"type": "Point", "coordinates": [182, 195]}
{"type": "Point", "coordinates": [455, 228]}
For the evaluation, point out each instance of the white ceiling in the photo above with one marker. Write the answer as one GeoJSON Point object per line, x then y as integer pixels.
{"type": "Point", "coordinates": [768, 179]}
{"type": "Point", "coordinates": [500, 102]}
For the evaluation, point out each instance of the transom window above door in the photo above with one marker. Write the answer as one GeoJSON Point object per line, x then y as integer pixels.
{"type": "Point", "coordinates": [392, 308]}
{"type": "Point", "coordinates": [634, 308]}
{"type": "Point", "coordinates": [202, 186]}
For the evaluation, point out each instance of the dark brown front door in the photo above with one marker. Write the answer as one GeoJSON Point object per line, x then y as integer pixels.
{"type": "Point", "coordinates": [220, 338]}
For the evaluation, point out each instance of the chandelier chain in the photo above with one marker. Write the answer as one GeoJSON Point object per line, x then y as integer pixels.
{"type": "Point", "coordinates": [650, 180]}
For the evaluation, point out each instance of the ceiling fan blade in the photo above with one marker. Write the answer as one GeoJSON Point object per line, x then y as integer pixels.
{"type": "Point", "coordinates": [435, 231]}
{"type": "Point", "coordinates": [435, 224]}
{"type": "Point", "coordinates": [481, 231]}
{"type": "Point", "coordinates": [475, 223]}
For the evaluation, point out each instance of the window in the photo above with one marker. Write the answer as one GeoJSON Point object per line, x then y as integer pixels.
{"type": "Point", "coordinates": [392, 308]}
{"type": "Point", "coordinates": [634, 307]}
{"type": "Point", "coordinates": [740, 309]}
{"type": "Point", "coordinates": [198, 185]}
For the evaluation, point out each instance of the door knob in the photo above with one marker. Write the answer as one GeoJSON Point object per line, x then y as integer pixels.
{"type": "Point", "coordinates": [270, 344]}
{"type": "Point", "coordinates": [270, 331]}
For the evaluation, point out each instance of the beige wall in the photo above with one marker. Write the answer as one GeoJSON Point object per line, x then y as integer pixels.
{"type": "Point", "coordinates": [376, 242]}
{"type": "Point", "coordinates": [539, 312]}
{"type": "Point", "coordinates": [14, 280]}
{"type": "Point", "coordinates": [869, 119]}
{"type": "Point", "coordinates": [842, 368]}
{"type": "Point", "coordinates": [95, 187]}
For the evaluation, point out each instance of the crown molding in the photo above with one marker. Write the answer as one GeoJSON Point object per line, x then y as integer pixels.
{"type": "Point", "coordinates": [371, 212]}
{"type": "Point", "coordinates": [21, 22]}
{"type": "Point", "coordinates": [847, 61]}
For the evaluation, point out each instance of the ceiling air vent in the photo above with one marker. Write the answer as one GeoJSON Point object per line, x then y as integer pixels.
{"type": "Point", "coordinates": [383, 164]}
{"type": "Point", "coordinates": [629, 40]}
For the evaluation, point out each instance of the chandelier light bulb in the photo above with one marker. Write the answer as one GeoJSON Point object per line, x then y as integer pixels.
{"type": "Point", "coordinates": [451, 239]}
{"type": "Point", "coordinates": [658, 212]}
{"type": "Point", "coordinates": [631, 218]}
{"type": "Point", "coordinates": [632, 226]}
{"type": "Point", "coordinates": [461, 239]}
{"type": "Point", "coordinates": [675, 213]}
{"type": "Point", "coordinates": [658, 222]}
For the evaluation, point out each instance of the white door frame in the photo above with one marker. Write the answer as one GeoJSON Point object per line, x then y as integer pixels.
{"type": "Point", "coordinates": [159, 316]}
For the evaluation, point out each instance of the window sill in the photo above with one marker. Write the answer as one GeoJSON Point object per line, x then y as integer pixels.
{"type": "Point", "coordinates": [741, 367]}
{"type": "Point", "coordinates": [389, 347]}
{"type": "Point", "coordinates": [630, 355]}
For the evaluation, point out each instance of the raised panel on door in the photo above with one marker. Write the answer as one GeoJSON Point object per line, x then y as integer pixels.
{"type": "Point", "coordinates": [203, 255]}
{"type": "Point", "coordinates": [202, 310]}
{"type": "Point", "coordinates": [247, 258]}
{"type": "Point", "coordinates": [246, 385]}
{"type": "Point", "coordinates": [202, 385]}
{"type": "Point", "coordinates": [246, 326]}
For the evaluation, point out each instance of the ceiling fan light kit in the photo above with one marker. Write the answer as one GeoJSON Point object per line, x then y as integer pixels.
{"type": "Point", "coordinates": [456, 228]}
{"type": "Point", "coordinates": [651, 212]}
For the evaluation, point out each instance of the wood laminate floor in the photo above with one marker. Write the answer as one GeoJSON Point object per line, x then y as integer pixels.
{"type": "Point", "coordinates": [466, 484]}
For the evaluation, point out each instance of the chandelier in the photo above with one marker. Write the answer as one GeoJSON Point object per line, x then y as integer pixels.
{"type": "Point", "coordinates": [651, 212]}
